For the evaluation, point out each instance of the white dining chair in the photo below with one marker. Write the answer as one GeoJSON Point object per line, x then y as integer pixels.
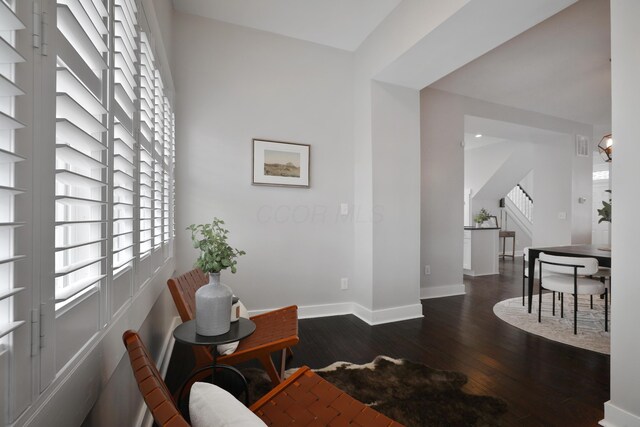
{"type": "Point", "coordinates": [569, 275]}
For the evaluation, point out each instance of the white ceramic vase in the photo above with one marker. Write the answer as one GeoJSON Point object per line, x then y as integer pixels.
{"type": "Point", "coordinates": [213, 307]}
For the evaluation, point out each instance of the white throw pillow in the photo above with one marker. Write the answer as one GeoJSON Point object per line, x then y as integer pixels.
{"type": "Point", "coordinates": [211, 406]}
{"type": "Point", "coordinates": [225, 349]}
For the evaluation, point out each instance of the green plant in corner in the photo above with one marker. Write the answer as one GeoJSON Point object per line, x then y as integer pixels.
{"type": "Point", "coordinates": [605, 211]}
{"type": "Point", "coordinates": [481, 216]}
{"type": "Point", "coordinates": [215, 253]}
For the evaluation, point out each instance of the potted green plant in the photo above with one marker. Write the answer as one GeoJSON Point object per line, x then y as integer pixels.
{"type": "Point", "coordinates": [213, 301]}
{"type": "Point", "coordinates": [481, 217]}
{"type": "Point", "coordinates": [215, 252]}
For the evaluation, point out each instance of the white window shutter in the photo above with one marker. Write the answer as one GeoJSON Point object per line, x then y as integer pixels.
{"type": "Point", "coordinates": [146, 138]}
{"type": "Point", "coordinates": [81, 144]}
{"type": "Point", "coordinates": [14, 244]}
{"type": "Point", "coordinates": [124, 143]}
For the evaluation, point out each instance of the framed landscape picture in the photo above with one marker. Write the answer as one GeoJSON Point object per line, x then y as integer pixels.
{"type": "Point", "coordinates": [280, 163]}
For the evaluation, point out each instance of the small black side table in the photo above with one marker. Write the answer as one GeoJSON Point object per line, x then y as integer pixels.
{"type": "Point", "coordinates": [186, 334]}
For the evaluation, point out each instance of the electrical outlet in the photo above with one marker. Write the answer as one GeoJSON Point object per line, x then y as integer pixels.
{"type": "Point", "coordinates": [344, 209]}
{"type": "Point", "coordinates": [427, 270]}
{"type": "Point", "coordinates": [344, 283]}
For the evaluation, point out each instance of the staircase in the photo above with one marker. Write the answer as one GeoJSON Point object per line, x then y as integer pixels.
{"type": "Point", "coordinates": [519, 206]}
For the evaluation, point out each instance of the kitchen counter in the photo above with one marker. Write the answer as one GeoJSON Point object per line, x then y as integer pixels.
{"type": "Point", "coordinates": [480, 256]}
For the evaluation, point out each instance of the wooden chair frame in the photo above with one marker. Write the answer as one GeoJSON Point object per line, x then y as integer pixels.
{"type": "Point", "coordinates": [276, 330]}
{"type": "Point", "coordinates": [303, 398]}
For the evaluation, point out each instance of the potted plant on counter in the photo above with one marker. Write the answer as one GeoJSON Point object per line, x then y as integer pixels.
{"type": "Point", "coordinates": [213, 300]}
{"type": "Point", "coordinates": [481, 217]}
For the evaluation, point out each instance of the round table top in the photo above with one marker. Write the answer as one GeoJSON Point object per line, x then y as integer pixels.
{"type": "Point", "coordinates": [186, 333]}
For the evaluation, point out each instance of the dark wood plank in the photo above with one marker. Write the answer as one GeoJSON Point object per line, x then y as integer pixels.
{"type": "Point", "coordinates": [544, 382]}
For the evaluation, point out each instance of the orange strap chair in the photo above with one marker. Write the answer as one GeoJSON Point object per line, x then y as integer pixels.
{"type": "Point", "coordinates": [276, 330]}
{"type": "Point", "coordinates": [303, 399]}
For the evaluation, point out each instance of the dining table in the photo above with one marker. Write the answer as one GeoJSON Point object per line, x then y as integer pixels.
{"type": "Point", "coordinates": [600, 252]}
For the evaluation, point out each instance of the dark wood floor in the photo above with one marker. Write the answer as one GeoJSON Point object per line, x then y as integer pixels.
{"type": "Point", "coordinates": [544, 382]}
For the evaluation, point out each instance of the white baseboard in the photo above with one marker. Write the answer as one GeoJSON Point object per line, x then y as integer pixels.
{"type": "Point", "coordinates": [324, 310]}
{"type": "Point", "coordinates": [387, 315]}
{"type": "Point", "coordinates": [618, 417]}
{"type": "Point", "coordinates": [442, 291]}
{"type": "Point", "coordinates": [372, 317]}
{"type": "Point", "coordinates": [144, 418]}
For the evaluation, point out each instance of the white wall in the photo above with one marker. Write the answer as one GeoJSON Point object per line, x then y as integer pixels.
{"type": "Point", "coordinates": [624, 407]}
{"type": "Point", "coordinates": [236, 84]}
{"type": "Point", "coordinates": [396, 198]}
{"type": "Point", "coordinates": [507, 174]}
{"type": "Point", "coordinates": [418, 43]}
{"type": "Point", "coordinates": [408, 23]}
{"type": "Point", "coordinates": [553, 180]}
{"type": "Point", "coordinates": [581, 212]}
{"type": "Point", "coordinates": [441, 232]}
{"type": "Point", "coordinates": [442, 130]}
{"type": "Point", "coordinates": [480, 163]}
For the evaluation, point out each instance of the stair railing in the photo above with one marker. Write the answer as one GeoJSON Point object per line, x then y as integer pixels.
{"type": "Point", "coordinates": [522, 201]}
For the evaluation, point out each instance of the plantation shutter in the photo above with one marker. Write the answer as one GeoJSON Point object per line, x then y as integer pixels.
{"type": "Point", "coordinates": [173, 179]}
{"type": "Point", "coordinates": [124, 170]}
{"type": "Point", "coordinates": [166, 173]}
{"type": "Point", "coordinates": [158, 154]}
{"type": "Point", "coordinates": [146, 137]}
{"type": "Point", "coordinates": [81, 157]}
{"type": "Point", "coordinates": [9, 24]}
{"type": "Point", "coordinates": [15, 271]}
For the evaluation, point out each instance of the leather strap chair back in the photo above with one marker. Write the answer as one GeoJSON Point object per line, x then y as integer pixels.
{"type": "Point", "coordinates": [153, 389]}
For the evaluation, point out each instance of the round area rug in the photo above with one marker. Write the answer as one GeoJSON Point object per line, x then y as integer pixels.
{"type": "Point", "coordinates": [591, 334]}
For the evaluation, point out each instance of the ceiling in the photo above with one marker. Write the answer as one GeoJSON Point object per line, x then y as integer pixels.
{"type": "Point", "coordinates": [499, 131]}
{"type": "Point", "coordinates": [560, 67]}
{"type": "Point", "coordinates": [343, 24]}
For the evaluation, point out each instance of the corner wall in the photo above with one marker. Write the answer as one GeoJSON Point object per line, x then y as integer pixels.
{"type": "Point", "coordinates": [396, 199]}
{"type": "Point", "coordinates": [624, 407]}
{"type": "Point", "coordinates": [235, 84]}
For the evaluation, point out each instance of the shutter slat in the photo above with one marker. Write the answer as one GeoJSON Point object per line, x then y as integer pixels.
{"type": "Point", "coordinates": [8, 19]}
{"type": "Point", "coordinates": [78, 245]}
{"type": "Point", "coordinates": [78, 266]}
{"type": "Point", "coordinates": [77, 287]}
{"type": "Point", "coordinates": [74, 136]}
{"type": "Point", "coordinates": [68, 154]}
{"type": "Point", "coordinates": [68, 177]}
{"type": "Point", "coordinates": [8, 54]}
{"type": "Point", "coordinates": [10, 157]}
{"type": "Point", "coordinates": [6, 329]}
{"type": "Point", "coordinates": [9, 88]}
{"type": "Point", "coordinates": [9, 123]}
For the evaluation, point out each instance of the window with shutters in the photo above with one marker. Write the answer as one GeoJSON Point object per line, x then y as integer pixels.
{"type": "Point", "coordinates": [146, 137]}
{"type": "Point", "coordinates": [166, 175]}
{"type": "Point", "coordinates": [124, 143]}
{"type": "Point", "coordinates": [15, 222]}
{"type": "Point", "coordinates": [81, 148]}
{"type": "Point", "coordinates": [86, 185]}
{"type": "Point", "coordinates": [158, 154]}
{"type": "Point", "coordinates": [9, 157]}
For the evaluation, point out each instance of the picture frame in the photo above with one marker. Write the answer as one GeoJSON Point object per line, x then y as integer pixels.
{"type": "Point", "coordinates": [282, 164]}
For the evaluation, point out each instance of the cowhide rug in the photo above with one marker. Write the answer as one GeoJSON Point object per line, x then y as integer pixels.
{"type": "Point", "coordinates": [410, 393]}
